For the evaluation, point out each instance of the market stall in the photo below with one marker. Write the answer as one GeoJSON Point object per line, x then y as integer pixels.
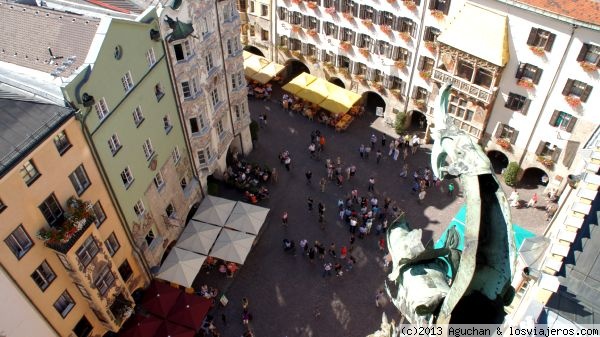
{"type": "Point", "coordinates": [299, 82]}
{"type": "Point", "coordinates": [267, 73]}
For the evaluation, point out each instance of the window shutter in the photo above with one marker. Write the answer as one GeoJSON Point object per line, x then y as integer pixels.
{"type": "Point", "coordinates": [414, 93]}
{"type": "Point", "coordinates": [321, 55]}
{"type": "Point", "coordinates": [567, 89]}
{"type": "Point", "coordinates": [395, 53]}
{"type": "Point", "coordinates": [397, 23]}
{"type": "Point", "coordinates": [540, 147]}
{"type": "Point", "coordinates": [387, 82]}
{"type": "Point", "coordinates": [304, 48]}
{"type": "Point", "coordinates": [525, 106]}
{"type": "Point", "coordinates": [554, 117]}
{"type": "Point", "coordinates": [338, 5]}
{"type": "Point", "coordinates": [583, 52]}
{"type": "Point", "coordinates": [305, 20]}
{"type": "Point", "coordinates": [520, 70]}
{"type": "Point", "coordinates": [570, 152]}
{"type": "Point", "coordinates": [376, 16]}
{"type": "Point", "coordinates": [508, 102]}
{"type": "Point", "coordinates": [513, 137]}
{"type": "Point", "coordinates": [432, 4]}
{"type": "Point", "coordinates": [388, 50]}
{"type": "Point", "coordinates": [532, 35]}
{"type": "Point", "coordinates": [537, 76]}
{"type": "Point", "coordinates": [351, 67]}
{"type": "Point", "coordinates": [571, 124]}
{"type": "Point", "coordinates": [586, 93]}
{"type": "Point", "coordinates": [421, 63]}
{"type": "Point", "coordinates": [417, 2]}
{"type": "Point", "coordinates": [556, 154]}
{"type": "Point", "coordinates": [361, 12]}
{"type": "Point", "coordinates": [550, 42]}
{"type": "Point", "coordinates": [498, 130]}
{"type": "Point", "coordinates": [447, 7]}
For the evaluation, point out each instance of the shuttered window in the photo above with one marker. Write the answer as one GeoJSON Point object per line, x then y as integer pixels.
{"type": "Point", "coordinates": [541, 38]}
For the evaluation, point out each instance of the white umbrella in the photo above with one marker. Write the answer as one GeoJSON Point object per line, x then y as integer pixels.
{"type": "Point", "coordinates": [214, 210]}
{"type": "Point", "coordinates": [181, 267]}
{"type": "Point", "coordinates": [232, 246]}
{"type": "Point", "coordinates": [198, 237]}
{"type": "Point", "coordinates": [247, 218]}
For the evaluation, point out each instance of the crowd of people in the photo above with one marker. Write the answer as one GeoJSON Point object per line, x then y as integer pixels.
{"type": "Point", "coordinates": [249, 178]}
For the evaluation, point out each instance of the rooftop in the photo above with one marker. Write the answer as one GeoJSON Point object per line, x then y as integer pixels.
{"type": "Point", "coordinates": [581, 10]}
{"type": "Point", "coordinates": [50, 41]}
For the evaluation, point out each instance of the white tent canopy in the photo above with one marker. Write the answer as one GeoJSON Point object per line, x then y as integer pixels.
{"type": "Point", "coordinates": [181, 267]}
{"type": "Point", "coordinates": [198, 237]}
{"type": "Point", "coordinates": [214, 210]}
{"type": "Point", "coordinates": [232, 246]}
{"type": "Point", "coordinates": [247, 217]}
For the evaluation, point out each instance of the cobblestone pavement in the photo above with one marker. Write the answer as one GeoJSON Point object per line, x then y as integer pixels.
{"type": "Point", "coordinates": [286, 291]}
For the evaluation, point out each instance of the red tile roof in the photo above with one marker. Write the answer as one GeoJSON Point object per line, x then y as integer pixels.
{"type": "Point", "coordinates": [582, 10]}
{"type": "Point", "coordinates": [28, 32]}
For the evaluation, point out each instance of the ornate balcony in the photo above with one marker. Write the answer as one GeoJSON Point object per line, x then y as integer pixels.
{"type": "Point", "coordinates": [472, 90]}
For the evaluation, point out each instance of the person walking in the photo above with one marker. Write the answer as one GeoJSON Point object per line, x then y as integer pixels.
{"type": "Point", "coordinates": [287, 162]}
{"type": "Point", "coordinates": [450, 189]}
{"type": "Point", "coordinates": [352, 171]}
{"type": "Point", "coordinates": [415, 144]}
{"type": "Point", "coordinates": [310, 203]}
{"type": "Point", "coordinates": [284, 218]}
{"type": "Point", "coordinates": [304, 246]}
{"type": "Point", "coordinates": [378, 156]}
{"type": "Point", "coordinates": [322, 183]}
{"type": "Point", "coordinates": [404, 171]}
{"type": "Point", "coordinates": [308, 175]}
{"type": "Point", "coordinates": [327, 269]}
{"type": "Point", "coordinates": [373, 140]}
{"type": "Point", "coordinates": [533, 201]}
{"type": "Point", "coordinates": [311, 149]}
{"type": "Point", "coordinates": [381, 244]}
{"type": "Point", "coordinates": [367, 151]}
{"type": "Point", "coordinates": [371, 187]}
{"type": "Point", "coordinates": [383, 140]}
{"type": "Point", "coordinates": [343, 252]}
{"type": "Point", "coordinates": [361, 150]}
{"type": "Point", "coordinates": [332, 252]}
{"type": "Point", "coordinates": [321, 143]}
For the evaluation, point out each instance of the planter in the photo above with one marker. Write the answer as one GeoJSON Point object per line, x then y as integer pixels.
{"type": "Point", "coordinates": [573, 180]}
{"type": "Point", "coordinates": [312, 58]}
{"type": "Point", "coordinates": [391, 1]}
{"type": "Point", "coordinates": [297, 2]}
{"type": "Point", "coordinates": [405, 36]}
{"type": "Point", "coordinates": [328, 65]}
{"type": "Point", "coordinates": [330, 10]}
{"type": "Point", "coordinates": [431, 46]}
{"type": "Point", "coordinates": [504, 143]}
{"type": "Point", "coordinates": [296, 28]}
{"type": "Point", "coordinates": [377, 86]}
{"type": "Point", "coordinates": [367, 23]}
{"type": "Point", "coordinates": [589, 67]}
{"type": "Point", "coordinates": [419, 104]}
{"type": "Point", "coordinates": [410, 5]}
{"type": "Point", "coordinates": [343, 71]}
{"type": "Point", "coordinates": [525, 83]}
{"type": "Point", "coordinates": [348, 16]}
{"type": "Point", "coordinates": [400, 64]}
{"type": "Point", "coordinates": [296, 53]}
{"type": "Point", "coordinates": [359, 78]}
{"type": "Point", "coordinates": [345, 46]}
{"type": "Point", "coordinates": [364, 52]}
{"type": "Point", "coordinates": [573, 101]}
{"type": "Point", "coordinates": [539, 51]}
{"type": "Point", "coordinates": [438, 14]}
{"type": "Point", "coordinates": [386, 29]}
{"type": "Point", "coordinates": [312, 5]}
{"type": "Point", "coordinates": [312, 32]}
{"type": "Point", "coordinates": [546, 161]}
{"type": "Point", "coordinates": [426, 75]}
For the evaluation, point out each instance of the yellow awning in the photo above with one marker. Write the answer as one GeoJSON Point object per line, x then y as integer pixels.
{"type": "Point", "coordinates": [488, 40]}
{"type": "Point", "coordinates": [299, 82]}
{"type": "Point", "coordinates": [267, 73]}
{"type": "Point", "coordinates": [339, 100]}
{"type": "Point", "coordinates": [246, 54]}
{"type": "Point", "coordinates": [316, 92]}
{"type": "Point", "coordinates": [255, 63]}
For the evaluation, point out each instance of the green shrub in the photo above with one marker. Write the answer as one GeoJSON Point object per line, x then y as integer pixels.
{"type": "Point", "coordinates": [254, 130]}
{"type": "Point", "coordinates": [400, 123]}
{"type": "Point", "coordinates": [510, 174]}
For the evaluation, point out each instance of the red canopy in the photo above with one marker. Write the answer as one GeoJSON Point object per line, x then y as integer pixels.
{"type": "Point", "coordinates": [159, 298]}
{"type": "Point", "coordinates": [168, 329]}
{"type": "Point", "coordinates": [141, 326]}
{"type": "Point", "coordinates": [189, 311]}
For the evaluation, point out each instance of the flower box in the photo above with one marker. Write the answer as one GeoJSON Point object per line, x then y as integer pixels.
{"type": "Point", "coordinates": [405, 36]}
{"type": "Point", "coordinates": [400, 64]}
{"type": "Point", "coordinates": [345, 45]}
{"type": "Point", "coordinates": [330, 10]}
{"type": "Point", "coordinates": [297, 2]}
{"type": "Point", "coordinates": [425, 74]}
{"type": "Point", "coordinates": [311, 58]}
{"type": "Point", "coordinates": [296, 53]}
{"type": "Point", "coordinates": [312, 5]}
{"type": "Point", "coordinates": [328, 64]}
{"type": "Point", "coordinates": [386, 29]}
{"type": "Point", "coordinates": [573, 101]}
{"type": "Point", "coordinates": [364, 52]}
{"type": "Point", "coordinates": [78, 215]}
{"type": "Point", "coordinates": [391, 1]}
{"type": "Point", "coordinates": [539, 51]}
{"type": "Point", "coordinates": [431, 46]}
{"type": "Point", "coordinates": [504, 143]}
{"type": "Point", "coordinates": [359, 78]}
{"type": "Point", "coordinates": [367, 22]}
{"type": "Point", "coordinates": [397, 93]}
{"type": "Point", "coordinates": [348, 16]}
{"type": "Point", "coordinates": [438, 14]}
{"type": "Point", "coordinates": [377, 86]}
{"type": "Point", "coordinates": [589, 67]}
{"type": "Point", "coordinates": [296, 28]}
{"type": "Point", "coordinates": [419, 104]}
{"type": "Point", "coordinates": [546, 161]}
{"type": "Point", "coordinates": [312, 32]}
{"type": "Point", "coordinates": [410, 5]}
{"type": "Point", "coordinates": [283, 48]}
{"type": "Point", "coordinates": [525, 83]}
{"type": "Point", "coordinates": [343, 71]}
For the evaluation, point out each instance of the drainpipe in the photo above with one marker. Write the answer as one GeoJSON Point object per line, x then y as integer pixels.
{"type": "Point", "coordinates": [225, 74]}
{"type": "Point", "coordinates": [416, 61]}
{"type": "Point", "coordinates": [273, 35]}
{"type": "Point", "coordinates": [550, 90]}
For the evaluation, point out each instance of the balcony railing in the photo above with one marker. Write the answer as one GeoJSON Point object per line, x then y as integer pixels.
{"type": "Point", "coordinates": [480, 93]}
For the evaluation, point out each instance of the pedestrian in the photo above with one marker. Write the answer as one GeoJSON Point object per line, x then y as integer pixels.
{"type": "Point", "coordinates": [224, 319]}
{"type": "Point", "coordinates": [284, 218]}
{"type": "Point", "coordinates": [379, 298]}
{"type": "Point", "coordinates": [311, 254]}
{"type": "Point", "coordinates": [245, 303]}
{"type": "Point", "coordinates": [396, 154]}
{"type": "Point", "coordinates": [352, 239]}
{"type": "Point", "coordinates": [361, 150]}
{"type": "Point", "coordinates": [373, 140]}
{"type": "Point", "coordinates": [415, 144]}
{"type": "Point", "coordinates": [338, 161]}
{"type": "Point", "coordinates": [533, 201]}
{"type": "Point", "coordinates": [379, 228]}
{"type": "Point", "coordinates": [338, 269]}
{"type": "Point", "coordinates": [378, 155]}
{"type": "Point", "coordinates": [321, 251]}
{"type": "Point", "coordinates": [322, 183]}
{"type": "Point", "coordinates": [550, 210]}
{"type": "Point", "coordinates": [327, 269]}
{"type": "Point", "coordinates": [245, 317]}
{"type": "Point", "coordinates": [353, 224]}
{"type": "Point", "coordinates": [308, 175]}
{"type": "Point", "coordinates": [404, 171]}
{"type": "Point", "coordinates": [287, 162]}
{"type": "Point", "coordinates": [450, 189]}
{"type": "Point", "coordinates": [383, 140]}
{"type": "Point", "coordinates": [422, 194]}
{"type": "Point", "coordinates": [261, 122]}
{"type": "Point", "coordinates": [274, 175]}
{"type": "Point", "coordinates": [321, 208]}
{"type": "Point", "coordinates": [304, 246]}
{"type": "Point", "coordinates": [343, 252]}
{"type": "Point", "coordinates": [371, 187]}
{"type": "Point", "coordinates": [264, 119]}
{"type": "Point", "coordinates": [350, 262]}
{"type": "Point", "coordinates": [352, 171]}
{"type": "Point", "coordinates": [322, 143]}
{"type": "Point", "coordinates": [311, 149]}
{"type": "Point", "coordinates": [405, 153]}
{"type": "Point", "coordinates": [381, 243]}
{"type": "Point", "coordinates": [310, 203]}
{"type": "Point", "coordinates": [367, 151]}
{"type": "Point", "coordinates": [392, 148]}
{"type": "Point", "coordinates": [332, 252]}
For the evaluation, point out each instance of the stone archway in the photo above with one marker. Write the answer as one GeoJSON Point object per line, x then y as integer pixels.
{"type": "Point", "coordinates": [532, 178]}
{"type": "Point", "coordinates": [499, 160]}
{"type": "Point", "coordinates": [417, 121]}
{"type": "Point", "coordinates": [337, 81]}
{"type": "Point", "coordinates": [371, 100]}
{"type": "Point", "coordinates": [292, 69]}
{"type": "Point", "coordinates": [254, 50]}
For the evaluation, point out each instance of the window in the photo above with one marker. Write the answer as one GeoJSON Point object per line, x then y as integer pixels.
{"type": "Point", "coordinates": [237, 80]}
{"type": "Point", "coordinates": [577, 89]}
{"type": "Point", "coordinates": [150, 237]}
{"type": "Point", "coordinates": [148, 149]}
{"type": "Point", "coordinates": [105, 280]}
{"type": "Point", "coordinates": [183, 183]}
{"type": "Point", "coordinates": [220, 127]}
{"type": "Point", "coordinates": [98, 213]}
{"type": "Point", "coordinates": [61, 141]}
{"type": "Point", "coordinates": [43, 276]}
{"type": "Point", "coordinates": [440, 5]}
{"type": "Point", "coordinates": [51, 210]}
{"type": "Point", "coordinates": [159, 181]}
{"type": "Point", "coordinates": [167, 125]}
{"type": "Point", "coordinates": [138, 208]}
{"type": "Point", "coordinates": [182, 50]}
{"type": "Point", "coordinates": [407, 25]}
{"type": "Point", "coordinates": [431, 34]}
{"type": "Point", "coordinates": [127, 81]}
{"type": "Point", "coordinates": [83, 328]}
{"type": "Point", "coordinates": [363, 41]}
{"type": "Point", "coordinates": [204, 156]}
{"type": "Point", "coordinates": [541, 38]}
{"type": "Point", "coordinates": [517, 102]}
{"type": "Point", "coordinates": [350, 6]}
{"type": "Point", "coordinates": [126, 177]}
{"type": "Point", "coordinates": [101, 108]}
{"type": "Point", "coordinates": [170, 210]}
{"type": "Point", "coordinates": [29, 172]}
{"type": "Point", "coordinates": [330, 29]}
{"type": "Point", "coordinates": [238, 110]}
{"type": "Point", "coordinates": [125, 270]}
{"type": "Point", "coordinates": [114, 144]}
{"type": "Point", "coordinates": [195, 89]}
{"type": "Point", "coordinates": [194, 127]}
{"type": "Point", "coordinates": [87, 251]}
{"type": "Point", "coordinates": [158, 91]}
{"type": "Point", "coordinates": [64, 304]}
{"type": "Point", "coordinates": [420, 94]}
{"type": "Point", "coordinates": [19, 242]}
{"type": "Point", "coordinates": [176, 155]}
{"type": "Point", "coordinates": [563, 120]}
{"type": "Point", "coordinates": [589, 54]}
{"type": "Point", "coordinates": [529, 72]}
{"type": "Point", "coordinates": [2, 206]}
{"type": "Point", "coordinates": [204, 26]}
{"type": "Point", "coordinates": [79, 179]}
{"type": "Point", "coordinates": [150, 57]}
{"type": "Point", "coordinates": [483, 78]}
{"type": "Point", "coordinates": [214, 96]}
{"type": "Point", "coordinates": [347, 35]}
{"type": "Point", "coordinates": [426, 64]}
{"type": "Point", "coordinates": [63, 260]}
{"type": "Point", "coordinates": [209, 61]}
{"type": "Point", "coordinates": [233, 46]}
{"type": "Point", "coordinates": [185, 89]}
{"type": "Point", "coordinates": [401, 54]}
{"type": "Point", "coordinates": [264, 10]}
{"type": "Point", "coordinates": [112, 244]}
{"type": "Point", "coordinates": [465, 70]}
{"type": "Point", "coordinates": [545, 149]}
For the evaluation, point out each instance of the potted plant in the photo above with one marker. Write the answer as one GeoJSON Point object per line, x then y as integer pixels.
{"type": "Point", "coordinates": [525, 83]}
{"type": "Point", "coordinates": [312, 5]}
{"type": "Point", "coordinates": [367, 22]}
{"type": "Point", "coordinates": [343, 71]}
{"type": "Point", "coordinates": [431, 46]}
{"type": "Point", "coordinates": [364, 52]}
{"type": "Point", "coordinates": [78, 214]}
{"type": "Point", "coordinates": [437, 14]}
{"type": "Point", "coordinates": [546, 161]}
{"type": "Point", "coordinates": [419, 104]}
{"type": "Point", "coordinates": [283, 47]}
{"type": "Point", "coordinates": [400, 64]}
{"type": "Point", "coordinates": [359, 77]}
{"type": "Point", "coordinates": [397, 93]}
{"type": "Point", "coordinates": [348, 16]}
{"type": "Point", "coordinates": [539, 51]}
{"type": "Point", "coordinates": [410, 5]}
{"type": "Point", "coordinates": [296, 28]}
{"type": "Point", "coordinates": [573, 101]}
{"type": "Point", "coordinates": [377, 86]}
{"type": "Point", "coordinates": [330, 10]}
{"type": "Point", "coordinates": [311, 58]}
{"type": "Point", "coordinates": [504, 143]}
{"type": "Point", "coordinates": [405, 36]}
{"type": "Point", "coordinates": [425, 74]}
{"type": "Point", "coordinates": [345, 45]}
{"type": "Point", "coordinates": [296, 53]}
{"type": "Point", "coordinates": [312, 32]}
{"type": "Point", "coordinates": [589, 67]}
{"type": "Point", "coordinates": [386, 29]}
